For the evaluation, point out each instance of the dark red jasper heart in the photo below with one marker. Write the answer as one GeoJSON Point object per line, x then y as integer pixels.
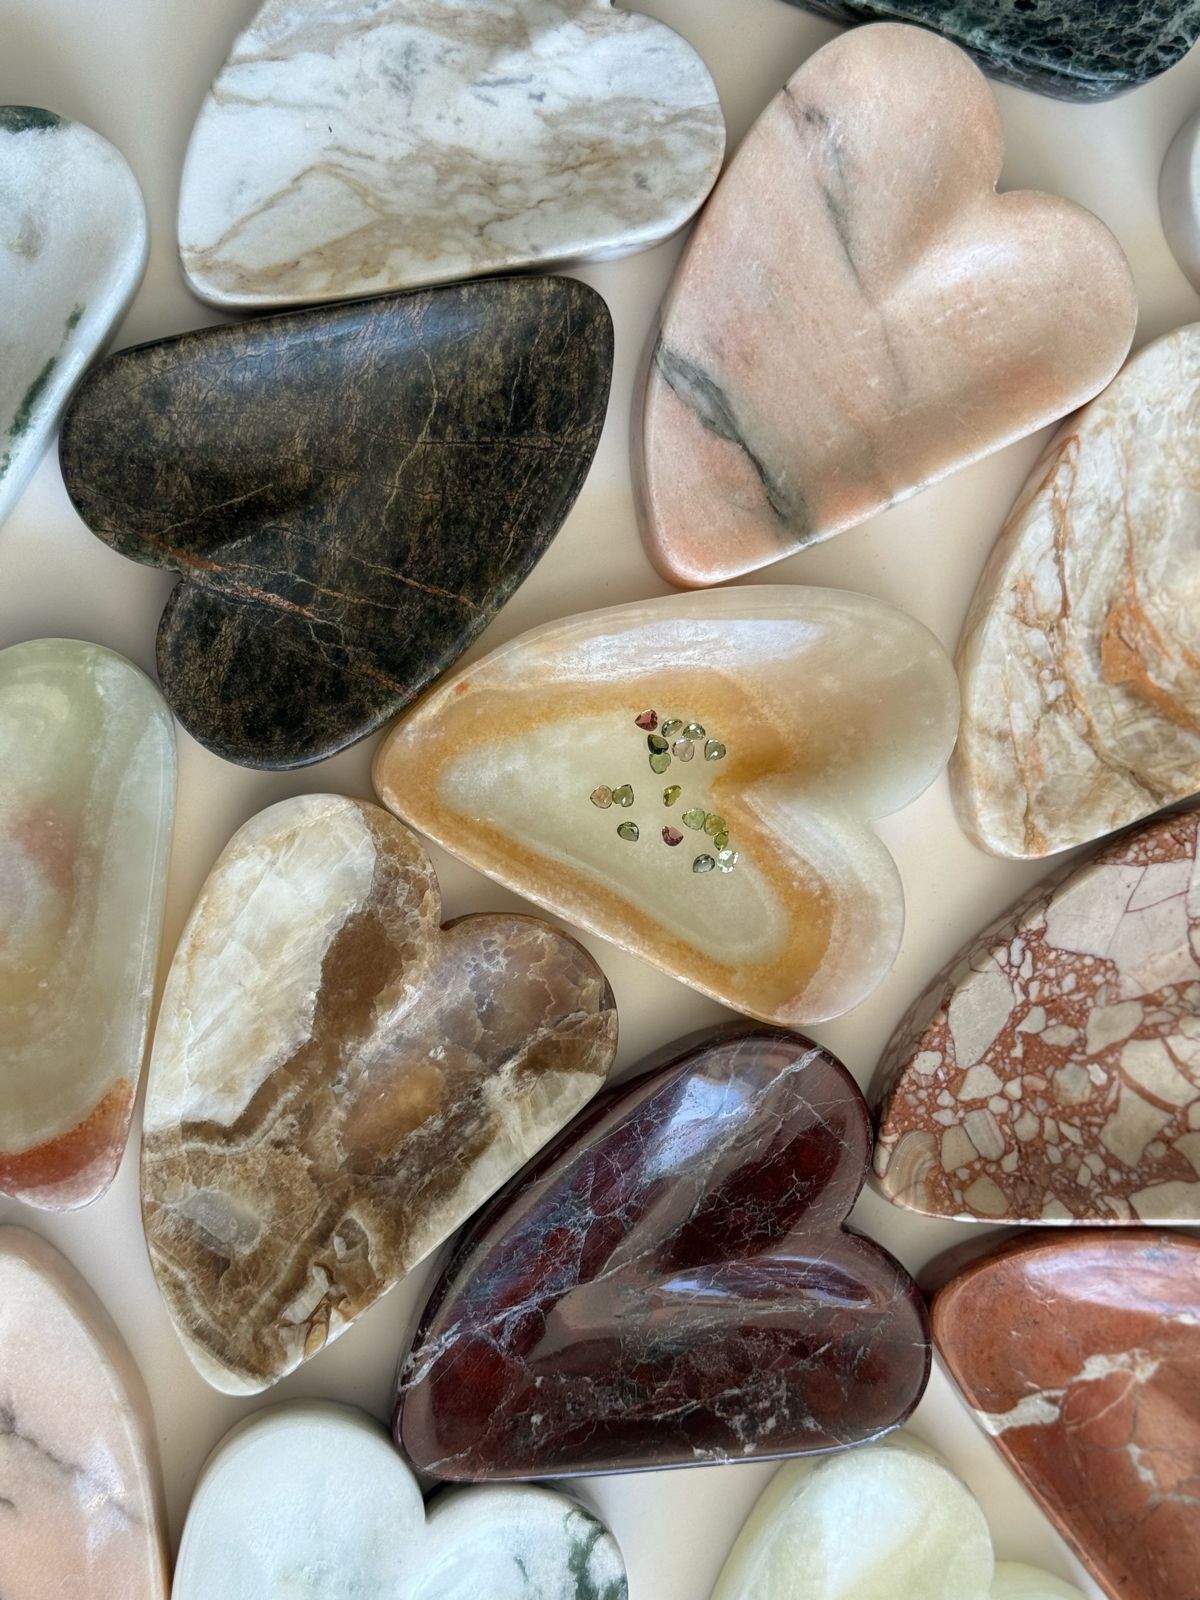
{"type": "Point", "coordinates": [671, 1284]}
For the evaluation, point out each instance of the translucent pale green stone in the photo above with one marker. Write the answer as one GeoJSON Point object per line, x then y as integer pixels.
{"type": "Point", "coordinates": [694, 818]}
{"type": "Point", "coordinates": [671, 794]}
{"type": "Point", "coordinates": [713, 824]}
{"type": "Point", "coordinates": [660, 762]}
{"type": "Point", "coordinates": [624, 795]}
{"type": "Point", "coordinates": [629, 831]}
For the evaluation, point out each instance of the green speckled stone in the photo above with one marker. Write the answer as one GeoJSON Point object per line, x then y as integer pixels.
{"type": "Point", "coordinates": [349, 495]}
{"type": "Point", "coordinates": [1073, 49]}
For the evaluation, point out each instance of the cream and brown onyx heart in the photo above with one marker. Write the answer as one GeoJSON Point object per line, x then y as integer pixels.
{"type": "Point", "coordinates": [694, 778]}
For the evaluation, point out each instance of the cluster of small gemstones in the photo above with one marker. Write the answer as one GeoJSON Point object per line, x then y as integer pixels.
{"type": "Point", "coordinates": [674, 739]}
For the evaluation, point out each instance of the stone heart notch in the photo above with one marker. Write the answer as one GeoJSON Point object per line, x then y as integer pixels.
{"type": "Point", "coordinates": [343, 153]}
{"type": "Point", "coordinates": [79, 1481]}
{"type": "Point", "coordinates": [87, 803]}
{"type": "Point", "coordinates": [672, 1284]}
{"type": "Point", "coordinates": [1079, 656]}
{"type": "Point", "coordinates": [1072, 49]}
{"type": "Point", "coordinates": [844, 329]}
{"type": "Point", "coordinates": [337, 1082]}
{"type": "Point", "coordinates": [925, 1538]}
{"type": "Point", "coordinates": [1080, 1357]}
{"type": "Point", "coordinates": [1051, 1072]}
{"type": "Point", "coordinates": [349, 495]}
{"type": "Point", "coordinates": [693, 778]}
{"type": "Point", "coordinates": [269, 1518]}
{"type": "Point", "coordinates": [73, 246]}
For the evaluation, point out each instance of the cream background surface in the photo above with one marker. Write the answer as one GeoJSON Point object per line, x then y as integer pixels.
{"type": "Point", "coordinates": [136, 70]}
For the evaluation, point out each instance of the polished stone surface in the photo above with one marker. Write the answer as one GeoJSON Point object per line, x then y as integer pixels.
{"type": "Point", "coordinates": [1051, 1073]}
{"type": "Point", "coordinates": [309, 1501]}
{"type": "Point", "coordinates": [889, 1521]}
{"type": "Point", "coordinates": [73, 247]}
{"type": "Point", "coordinates": [87, 800]}
{"type": "Point", "coordinates": [338, 1082]}
{"type": "Point", "coordinates": [1080, 656]}
{"type": "Point", "coordinates": [344, 152]}
{"type": "Point", "coordinates": [739, 857]}
{"type": "Point", "coordinates": [348, 495]}
{"type": "Point", "coordinates": [1080, 1357]}
{"type": "Point", "coordinates": [845, 328]}
{"type": "Point", "coordinates": [671, 1284]}
{"type": "Point", "coordinates": [80, 1505]}
{"type": "Point", "coordinates": [1179, 197]}
{"type": "Point", "coordinates": [1072, 49]}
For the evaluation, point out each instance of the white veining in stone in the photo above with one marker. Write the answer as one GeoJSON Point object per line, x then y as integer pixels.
{"type": "Point", "coordinates": [310, 1501]}
{"type": "Point", "coordinates": [352, 148]}
{"type": "Point", "coordinates": [1044, 1407]}
{"type": "Point", "coordinates": [73, 246]}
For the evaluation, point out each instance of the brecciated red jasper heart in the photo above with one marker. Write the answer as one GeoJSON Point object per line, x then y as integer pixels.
{"type": "Point", "coordinates": [1080, 1355]}
{"type": "Point", "coordinates": [672, 1284]}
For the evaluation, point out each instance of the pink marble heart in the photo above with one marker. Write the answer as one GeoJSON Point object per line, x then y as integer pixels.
{"type": "Point", "coordinates": [859, 312]}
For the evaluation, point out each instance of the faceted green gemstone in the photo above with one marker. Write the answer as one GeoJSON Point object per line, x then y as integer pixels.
{"type": "Point", "coordinates": [713, 825]}
{"type": "Point", "coordinates": [694, 818]}
{"type": "Point", "coordinates": [624, 795]}
{"type": "Point", "coordinates": [727, 860]}
{"type": "Point", "coordinates": [657, 743]}
{"type": "Point", "coordinates": [714, 750]}
{"type": "Point", "coordinates": [628, 831]}
{"type": "Point", "coordinates": [693, 731]}
{"type": "Point", "coordinates": [671, 794]}
{"type": "Point", "coordinates": [720, 840]}
{"type": "Point", "coordinates": [602, 797]}
{"type": "Point", "coordinates": [703, 864]}
{"type": "Point", "coordinates": [660, 762]}
{"type": "Point", "coordinates": [671, 728]}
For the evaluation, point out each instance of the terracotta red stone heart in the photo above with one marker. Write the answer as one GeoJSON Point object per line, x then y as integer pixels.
{"type": "Point", "coordinates": [671, 1284]}
{"type": "Point", "coordinates": [1080, 1355]}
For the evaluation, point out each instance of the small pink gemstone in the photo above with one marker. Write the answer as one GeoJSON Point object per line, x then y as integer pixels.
{"type": "Point", "coordinates": [672, 836]}
{"type": "Point", "coordinates": [648, 720]}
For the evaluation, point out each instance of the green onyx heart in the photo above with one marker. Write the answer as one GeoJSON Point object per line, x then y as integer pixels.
{"type": "Point", "coordinates": [623, 796]}
{"type": "Point", "coordinates": [660, 762]}
{"type": "Point", "coordinates": [694, 818]}
{"type": "Point", "coordinates": [713, 825]}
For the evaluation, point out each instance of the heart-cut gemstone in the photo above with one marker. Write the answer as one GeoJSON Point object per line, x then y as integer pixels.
{"type": "Point", "coordinates": [1051, 1073]}
{"type": "Point", "coordinates": [87, 800]}
{"type": "Point", "coordinates": [830, 708]}
{"type": "Point", "coordinates": [1078, 659]}
{"type": "Point", "coordinates": [1072, 49]}
{"type": "Point", "coordinates": [1080, 1357]}
{"type": "Point", "coordinates": [1179, 197]}
{"type": "Point", "coordinates": [337, 1081]}
{"type": "Point", "coordinates": [846, 328]}
{"type": "Point", "coordinates": [269, 1518]}
{"type": "Point", "coordinates": [79, 1482]}
{"type": "Point", "coordinates": [73, 246]}
{"type": "Point", "coordinates": [349, 495]}
{"type": "Point", "coordinates": [672, 1283]}
{"type": "Point", "coordinates": [889, 1521]}
{"type": "Point", "coordinates": [345, 152]}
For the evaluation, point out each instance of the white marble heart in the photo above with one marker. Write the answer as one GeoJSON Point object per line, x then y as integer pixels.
{"type": "Point", "coordinates": [73, 246]}
{"type": "Point", "coordinates": [348, 150]}
{"type": "Point", "coordinates": [888, 1521]}
{"type": "Point", "coordinates": [312, 1502]}
{"type": "Point", "coordinates": [1179, 198]}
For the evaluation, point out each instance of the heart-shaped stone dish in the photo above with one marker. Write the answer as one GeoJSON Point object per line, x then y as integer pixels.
{"type": "Point", "coordinates": [345, 153]}
{"type": "Point", "coordinates": [671, 1284]}
{"type": "Point", "coordinates": [311, 1501]}
{"type": "Point", "coordinates": [73, 246]}
{"type": "Point", "coordinates": [337, 1082]}
{"type": "Point", "coordinates": [693, 777]}
{"type": "Point", "coordinates": [845, 328]}
{"type": "Point", "coordinates": [349, 495]}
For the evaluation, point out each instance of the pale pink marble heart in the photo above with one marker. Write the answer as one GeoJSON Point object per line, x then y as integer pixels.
{"type": "Point", "coordinates": [859, 313]}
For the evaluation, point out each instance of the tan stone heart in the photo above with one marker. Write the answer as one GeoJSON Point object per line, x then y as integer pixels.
{"type": "Point", "coordinates": [337, 1082]}
{"type": "Point", "coordinates": [859, 313]}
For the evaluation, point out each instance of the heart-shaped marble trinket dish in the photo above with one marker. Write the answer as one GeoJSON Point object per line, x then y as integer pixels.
{"type": "Point", "coordinates": [337, 1082]}
{"type": "Point", "coordinates": [1072, 49]}
{"type": "Point", "coordinates": [668, 774]}
{"type": "Point", "coordinates": [671, 1284]}
{"type": "Point", "coordinates": [1080, 656]}
{"type": "Point", "coordinates": [1080, 1356]}
{"type": "Point", "coordinates": [342, 154]}
{"type": "Point", "coordinates": [889, 1521]}
{"type": "Point", "coordinates": [844, 329]}
{"type": "Point", "coordinates": [1051, 1073]}
{"type": "Point", "coordinates": [87, 801]}
{"type": "Point", "coordinates": [73, 246]}
{"type": "Point", "coordinates": [349, 495]}
{"type": "Point", "coordinates": [79, 1485]}
{"type": "Point", "coordinates": [310, 1500]}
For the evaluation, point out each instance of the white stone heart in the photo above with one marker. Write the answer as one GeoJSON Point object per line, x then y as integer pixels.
{"type": "Point", "coordinates": [888, 1521]}
{"type": "Point", "coordinates": [73, 246]}
{"type": "Point", "coordinates": [311, 1502]}
{"type": "Point", "coordinates": [347, 150]}
{"type": "Point", "coordinates": [1179, 198]}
